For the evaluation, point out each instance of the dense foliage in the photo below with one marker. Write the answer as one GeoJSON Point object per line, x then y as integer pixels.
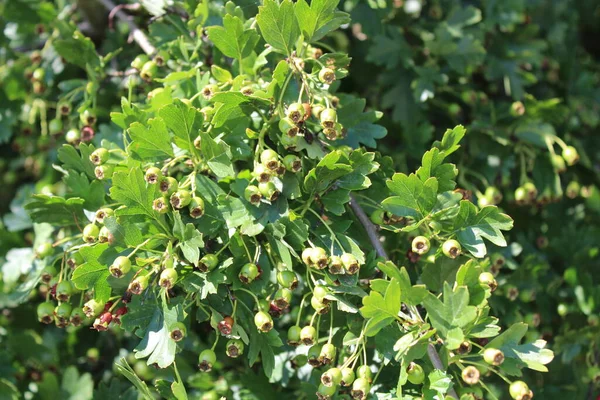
{"type": "Point", "coordinates": [199, 200]}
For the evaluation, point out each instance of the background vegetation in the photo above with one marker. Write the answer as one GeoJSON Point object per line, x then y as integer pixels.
{"type": "Point", "coordinates": [522, 77]}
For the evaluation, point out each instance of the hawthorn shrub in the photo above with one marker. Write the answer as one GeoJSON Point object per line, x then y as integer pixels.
{"type": "Point", "coordinates": [219, 206]}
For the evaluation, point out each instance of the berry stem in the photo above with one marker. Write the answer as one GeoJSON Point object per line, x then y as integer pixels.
{"type": "Point", "coordinates": [301, 307]}
{"type": "Point", "coordinates": [246, 248]}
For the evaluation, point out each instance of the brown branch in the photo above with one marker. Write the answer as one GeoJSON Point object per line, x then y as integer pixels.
{"type": "Point", "coordinates": [136, 33]}
{"type": "Point", "coordinates": [434, 357]}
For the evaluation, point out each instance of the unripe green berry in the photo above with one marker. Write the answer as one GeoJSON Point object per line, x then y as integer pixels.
{"type": "Point", "coordinates": [531, 190]}
{"type": "Point", "coordinates": [104, 172]}
{"type": "Point", "coordinates": [208, 262]}
{"type": "Point", "coordinates": [319, 292]}
{"type": "Point", "coordinates": [77, 316]}
{"type": "Point", "coordinates": [104, 235]}
{"type": "Point", "coordinates": [493, 356]}
{"type": "Point", "coordinates": [178, 331]}
{"type": "Point", "coordinates": [120, 267]}
{"type": "Point", "coordinates": [518, 389]}
{"type": "Point", "coordinates": [263, 321]}
{"type": "Point", "coordinates": [252, 195]}
{"type": "Point", "coordinates": [149, 70]}
{"type": "Point", "coordinates": [451, 248]}
{"type": "Point", "coordinates": [161, 205]}
{"type": "Point", "coordinates": [73, 136]}
{"type": "Point", "coordinates": [234, 348]}
{"type": "Point", "coordinates": [364, 371]}
{"type": "Point", "coordinates": [294, 335]}
{"type": "Point", "coordinates": [206, 360]}
{"type": "Point", "coordinates": [325, 392]}
{"type": "Point", "coordinates": [295, 112]}
{"type": "Point", "coordinates": [168, 185]}
{"type": "Point", "coordinates": [103, 213]}
{"type": "Point", "coordinates": [90, 233]}
{"type": "Point", "coordinates": [521, 196]}
{"type": "Point", "coordinates": [313, 355]}
{"type": "Point", "coordinates": [360, 389]}
{"type": "Point", "coordinates": [287, 279]}
{"type": "Point", "coordinates": [43, 250]}
{"type": "Point", "coordinates": [327, 76]}
{"type": "Point", "coordinates": [181, 198]}
{"type": "Point", "coordinates": [87, 117]}
{"type": "Point", "coordinates": [153, 175]}
{"type": "Point", "coordinates": [139, 61]}
{"type": "Point", "coordinates": [64, 290]}
{"type": "Point", "coordinates": [196, 207]}
{"type": "Point", "coordinates": [328, 118]}
{"type": "Point", "coordinates": [269, 159]}
{"type": "Point", "coordinates": [486, 278]}
{"type": "Point", "coordinates": [139, 284]}
{"type": "Point", "coordinates": [269, 191]}
{"type": "Point", "coordinates": [308, 335]}
{"type": "Point", "coordinates": [318, 258]}
{"type": "Point", "coordinates": [282, 298]}
{"type": "Point", "coordinates": [92, 308]}
{"type": "Point", "coordinates": [292, 163]}
{"type": "Point", "coordinates": [570, 155]}
{"type": "Point", "coordinates": [332, 377]}
{"type": "Point", "coordinates": [416, 375]}
{"type": "Point", "coordinates": [336, 267]}
{"type": "Point", "coordinates": [209, 91]}
{"type": "Point", "coordinates": [55, 127]}
{"type": "Point", "coordinates": [248, 273]}
{"type": "Point", "coordinates": [328, 353]}
{"type": "Point", "coordinates": [99, 156]}
{"type": "Point", "coordinates": [167, 278]}
{"type": "Point", "coordinates": [347, 376]}
{"type": "Point", "coordinates": [421, 245]}
{"type": "Point", "coordinates": [350, 263]}
{"type": "Point", "coordinates": [318, 305]}
{"type": "Point", "coordinates": [45, 312]}
{"type": "Point", "coordinates": [494, 194]}
{"type": "Point", "coordinates": [288, 127]}
{"type": "Point", "coordinates": [470, 375]}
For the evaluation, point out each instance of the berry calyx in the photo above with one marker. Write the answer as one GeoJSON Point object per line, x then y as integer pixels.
{"type": "Point", "coordinates": [208, 262]}
{"type": "Point", "coordinates": [451, 248]}
{"type": "Point", "coordinates": [420, 245]}
{"type": "Point", "coordinates": [178, 331]}
{"type": "Point", "coordinates": [416, 376]}
{"type": "Point", "coordinates": [248, 273]}
{"type": "Point", "coordinates": [153, 175]}
{"type": "Point", "coordinates": [470, 375]}
{"type": "Point", "coordinates": [234, 348]}
{"type": "Point", "coordinates": [196, 207]}
{"type": "Point", "coordinates": [167, 278]}
{"type": "Point", "coordinates": [263, 321]}
{"type": "Point", "coordinates": [308, 335]}
{"type": "Point", "coordinates": [206, 360]}
{"type": "Point", "coordinates": [493, 356]}
{"type": "Point", "coordinates": [120, 267]}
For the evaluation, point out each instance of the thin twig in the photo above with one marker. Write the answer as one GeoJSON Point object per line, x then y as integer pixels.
{"type": "Point", "coordinates": [136, 33]}
{"type": "Point", "coordinates": [434, 357]}
{"type": "Point", "coordinates": [369, 227]}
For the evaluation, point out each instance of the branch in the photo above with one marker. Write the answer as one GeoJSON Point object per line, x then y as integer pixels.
{"type": "Point", "coordinates": [434, 357]}
{"type": "Point", "coordinates": [138, 36]}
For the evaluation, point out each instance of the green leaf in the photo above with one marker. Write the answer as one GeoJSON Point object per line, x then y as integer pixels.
{"type": "Point", "coordinates": [220, 74]}
{"type": "Point", "coordinates": [320, 18]}
{"type": "Point", "coordinates": [139, 315]}
{"type": "Point", "coordinates": [439, 381]}
{"type": "Point", "coordinates": [78, 50]}
{"type": "Point", "coordinates": [157, 344]}
{"type": "Point", "coordinates": [359, 125]}
{"type": "Point", "coordinates": [381, 310]}
{"type": "Point", "coordinates": [414, 198]}
{"type": "Point", "coordinates": [262, 344]}
{"type": "Point", "coordinates": [56, 210]}
{"type": "Point", "coordinates": [472, 226]}
{"type": "Point", "coordinates": [123, 367]}
{"type": "Point", "coordinates": [278, 25]}
{"type": "Point", "coordinates": [333, 166]}
{"type": "Point", "coordinates": [92, 191]}
{"type": "Point", "coordinates": [93, 273]}
{"type": "Point", "coordinates": [454, 312]}
{"type": "Point", "coordinates": [78, 161]}
{"type": "Point", "coordinates": [217, 155]}
{"type": "Point", "coordinates": [190, 239]}
{"type": "Point", "coordinates": [232, 39]}
{"type": "Point", "coordinates": [152, 142]}
{"type": "Point", "coordinates": [228, 107]}
{"type": "Point", "coordinates": [131, 189]}
{"type": "Point", "coordinates": [534, 355]}
{"type": "Point", "coordinates": [183, 120]}
{"type": "Point", "coordinates": [78, 387]}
